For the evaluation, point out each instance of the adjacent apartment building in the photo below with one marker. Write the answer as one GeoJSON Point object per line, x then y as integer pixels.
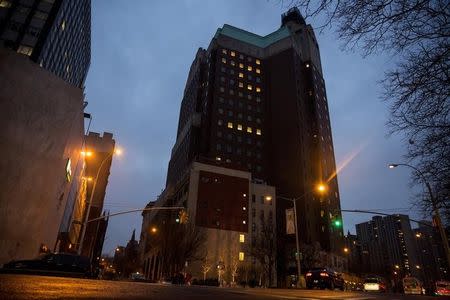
{"type": "Point", "coordinates": [257, 106]}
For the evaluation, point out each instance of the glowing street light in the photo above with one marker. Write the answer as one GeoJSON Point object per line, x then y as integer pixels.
{"type": "Point", "coordinates": [154, 229]}
{"type": "Point", "coordinates": [86, 153]}
{"type": "Point", "coordinates": [268, 198]}
{"type": "Point", "coordinates": [346, 250]}
{"type": "Point", "coordinates": [322, 188]}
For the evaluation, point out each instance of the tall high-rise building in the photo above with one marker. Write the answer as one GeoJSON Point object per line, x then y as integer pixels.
{"type": "Point", "coordinates": [56, 34]}
{"type": "Point", "coordinates": [389, 245]}
{"type": "Point", "coordinates": [258, 103]}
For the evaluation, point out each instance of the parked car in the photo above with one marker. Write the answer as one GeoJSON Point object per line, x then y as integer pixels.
{"type": "Point", "coordinates": [442, 288]}
{"type": "Point", "coordinates": [412, 285]}
{"type": "Point", "coordinates": [374, 284]}
{"type": "Point", "coordinates": [59, 264]}
{"type": "Point", "coordinates": [324, 278]}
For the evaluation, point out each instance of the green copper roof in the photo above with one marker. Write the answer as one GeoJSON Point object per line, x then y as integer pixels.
{"type": "Point", "coordinates": [251, 38]}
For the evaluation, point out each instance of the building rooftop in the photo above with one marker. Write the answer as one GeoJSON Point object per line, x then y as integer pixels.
{"type": "Point", "coordinates": [251, 38]}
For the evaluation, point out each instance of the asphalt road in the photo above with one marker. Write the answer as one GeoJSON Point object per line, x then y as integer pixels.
{"type": "Point", "coordinates": [43, 287]}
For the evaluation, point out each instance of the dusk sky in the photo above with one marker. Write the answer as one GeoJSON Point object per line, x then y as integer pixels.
{"type": "Point", "coordinates": [141, 54]}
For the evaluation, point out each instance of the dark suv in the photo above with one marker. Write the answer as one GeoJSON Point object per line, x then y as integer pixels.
{"type": "Point", "coordinates": [59, 264]}
{"type": "Point", "coordinates": [324, 278]}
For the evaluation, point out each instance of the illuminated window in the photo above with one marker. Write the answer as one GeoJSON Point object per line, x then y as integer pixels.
{"type": "Point", "coordinates": [232, 63]}
{"type": "Point", "coordinates": [258, 62]}
{"type": "Point", "coordinates": [224, 60]}
{"type": "Point", "coordinates": [5, 4]}
{"type": "Point", "coordinates": [63, 25]}
{"type": "Point", "coordinates": [232, 53]}
{"type": "Point", "coordinates": [249, 130]}
{"type": "Point", "coordinates": [241, 238]}
{"type": "Point", "coordinates": [258, 71]}
{"type": "Point", "coordinates": [224, 51]}
{"type": "Point", "coordinates": [241, 75]}
{"type": "Point", "coordinates": [241, 256]}
{"type": "Point", "coordinates": [258, 131]}
{"type": "Point", "coordinates": [25, 50]}
{"type": "Point", "coordinates": [241, 84]}
{"type": "Point", "coordinates": [258, 89]}
{"type": "Point", "coordinates": [244, 222]}
{"type": "Point", "coordinates": [239, 127]}
{"type": "Point", "coordinates": [249, 87]}
{"type": "Point", "coordinates": [249, 68]}
{"type": "Point", "coordinates": [230, 125]}
{"type": "Point", "coordinates": [218, 158]}
{"type": "Point", "coordinates": [241, 65]}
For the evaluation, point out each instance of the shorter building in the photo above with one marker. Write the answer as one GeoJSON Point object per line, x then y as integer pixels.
{"type": "Point", "coordinates": [352, 250]}
{"type": "Point", "coordinates": [235, 220]}
{"type": "Point", "coordinates": [98, 156]}
{"type": "Point", "coordinates": [431, 254]}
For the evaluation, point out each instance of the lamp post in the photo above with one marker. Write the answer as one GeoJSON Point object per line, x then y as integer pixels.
{"type": "Point", "coordinates": [320, 188]}
{"type": "Point", "coordinates": [85, 222]}
{"type": "Point", "coordinates": [435, 209]}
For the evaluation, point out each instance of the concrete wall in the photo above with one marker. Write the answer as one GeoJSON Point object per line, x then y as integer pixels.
{"type": "Point", "coordinates": [41, 128]}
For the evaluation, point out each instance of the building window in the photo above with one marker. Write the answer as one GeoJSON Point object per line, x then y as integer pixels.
{"type": "Point", "coordinates": [219, 122]}
{"type": "Point", "coordinates": [249, 97]}
{"type": "Point", "coordinates": [219, 147]}
{"type": "Point", "coordinates": [258, 89]}
{"type": "Point", "coordinates": [221, 100]}
{"type": "Point", "coordinates": [223, 69]}
{"type": "Point", "coordinates": [249, 129]}
{"type": "Point", "coordinates": [258, 79]}
{"type": "Point", "coordinates": [244, 222]}
{"type": "Point", "coordinates": [241, 75]}
{"type": "Point", "coordinates": [218, 158]}
{"type": "Point", "coordinates": [241, 56]}
{"type": "Point", "coordinates": [231, 92]}
{"type": "Point", "coordinates": [257, 61]}
{"type": "Point", "coordinates": [222, 89]}
{"type": "Point", "coordinates": [241, 238]}
{"type": "Point", "coordinates": [220, 111]}
{"type": "Point", "coordinates": [258, 168]}
{"type": "Point", "coordinates": [219, 133]}
{"type": "Point", "coordinates": [63, 25]}
{"type": "Point", "coordinates": [224, 60]}
{"type": "Point", "coordinates": [230, 125]}
{"type": "Point", "coordinates": [232, 63]}
{"type": "Point", "coordinates": [240, 94]}
{"type": "Point", "coordinates": [239, 139]}
{"type": "Point", "coordinates": [241, 65]}
{"type": "Point", "coordinates": [231, 71]}
{"type": "Point", "coordinates": [232, 53]}
{"type": "Point", "coordinates": [25, 50]}
{"type": "Point", "coordinates": [239, 127]}
{"type": "Point", "coordinates": [249, 68]}
{"type": "Point", "coordinates": [231, 82]}
{"type": "Point", "coordinates": [249, 118]}
{"type": "Point", "coordinates": [5, 4]}
{"type": "Point", "coordinates": [249, 87]}
{"type": "Point", "coordinates": [258, 120]}
{"type": "Point", "coordinates": [224, 51]}
{"type": "Point", "coordinates": [258, 131]}
{"type": "Point", "coordinates": [241, 256]}
{"type": "Point", "coordinates": [258, 99]}
{"type": "Point", "coordinates": [241, 84]}
{"type": "Point", "coordinates": [239, 115]}
{"type": "Point", "coordinates": [258, 71]}
{"type": "Point", "coordinates": [230, 113]}
{"type": "Point", "coordinates": [222, 79]}
{"type": "Point", "coordinates": [253, 198]}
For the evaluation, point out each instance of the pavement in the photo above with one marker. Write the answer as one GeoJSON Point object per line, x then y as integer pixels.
{"type": "Point", "coordinates": [14, 286]}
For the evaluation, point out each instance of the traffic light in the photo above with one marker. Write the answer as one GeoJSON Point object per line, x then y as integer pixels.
{"type": "Point", "coordinates": [337, 222]}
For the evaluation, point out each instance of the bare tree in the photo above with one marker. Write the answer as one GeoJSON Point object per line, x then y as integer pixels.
{"type": "Point", "coordinates": [206, 267]}
{"type": "Point", "coordinates": [417, 34]}
{"type": "Point", "coordinates": [264, 250]}
{"type": "Point", "coordinates": [178, 244]}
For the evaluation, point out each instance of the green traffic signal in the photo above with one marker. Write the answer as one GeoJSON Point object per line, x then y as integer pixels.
{"type": "Point", "coordinates": [337, 223]}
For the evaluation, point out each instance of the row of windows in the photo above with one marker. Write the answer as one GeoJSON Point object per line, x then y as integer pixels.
{"type": "Point", "coordinates": [241, 56]}
{"type": "Point", "coordinates": [240, 75]}
{"type": "Point", "coordinates": [241, 66]}
{"type": "Point", "coordinates": [249, 165]}
{"type": "Point", "coordinates": [238, 151]}
{"type": "Point", "coordinates": [240, 127]}
{"type": "Point", "coordinates": [241, 85]}
{"type": "Point", "coordinates": [239, 115]}
{"type": "Point", "coordinates": [239, 139]}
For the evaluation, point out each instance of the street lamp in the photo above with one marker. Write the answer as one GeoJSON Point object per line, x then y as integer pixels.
{"type": "Point", "coordinates": [83, 232]}
{"type": "Point", "coordinates": [434, 206]}
{"type": "Point", "coordinates": [321, 188]}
